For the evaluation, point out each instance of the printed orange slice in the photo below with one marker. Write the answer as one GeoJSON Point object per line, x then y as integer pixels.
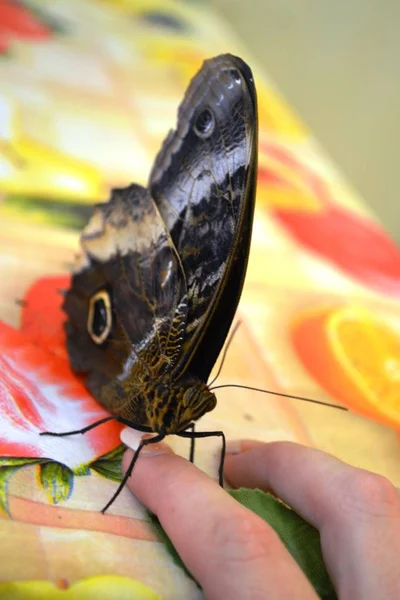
{"type": "Point", "coordinates": [369, 352]}
{"type": "Point", "coordinates": [354, 356]}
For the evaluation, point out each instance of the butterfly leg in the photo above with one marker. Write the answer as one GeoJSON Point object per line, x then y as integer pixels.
{"type": "Point", "coordinates": [192, 441]}
{"type": "Point", "coordinates": [204, 434]}
{"type": "Point", "coordinates": [76, 431]}
{"type": "Point", "coordinates": [128, 473]}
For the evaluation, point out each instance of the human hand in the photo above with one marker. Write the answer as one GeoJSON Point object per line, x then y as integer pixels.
{"type": "Point", "coordinates": [234, 554]}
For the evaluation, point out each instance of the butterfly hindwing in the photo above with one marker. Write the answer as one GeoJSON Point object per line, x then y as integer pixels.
{"type": "Point", "coordinates": [128, 254]}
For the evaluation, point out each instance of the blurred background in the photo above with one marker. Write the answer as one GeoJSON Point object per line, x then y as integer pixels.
{"type": "Point", "coordinates": [337, 63]}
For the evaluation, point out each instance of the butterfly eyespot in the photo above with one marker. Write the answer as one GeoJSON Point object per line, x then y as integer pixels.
{"type": "Point", "coordinates": [99, 321]}
{"type": "Point", "coordinates": [204, 125]}
{"type": "Point", "coordinates": [235, 75]}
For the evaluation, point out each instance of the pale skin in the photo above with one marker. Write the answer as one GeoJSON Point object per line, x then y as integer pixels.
{"type": "Point", "coordinates": [235, 555]}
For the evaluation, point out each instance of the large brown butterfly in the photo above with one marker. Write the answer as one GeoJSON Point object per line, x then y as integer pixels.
{"type": "Point", "coordinates": [162, 268]}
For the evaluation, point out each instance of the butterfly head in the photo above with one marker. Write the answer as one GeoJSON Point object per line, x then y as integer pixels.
{"type": "Point", "coordinates": [176, 406]}
{"type": "Point", "coordinates": [196, 401]}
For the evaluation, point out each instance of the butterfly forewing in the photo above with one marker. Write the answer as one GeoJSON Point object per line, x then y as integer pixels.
{"type": "Point", "coordinates": [203, 182]}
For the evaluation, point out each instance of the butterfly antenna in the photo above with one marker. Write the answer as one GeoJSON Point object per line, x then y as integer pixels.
{"type": "Point", "coordinates": [228, 343]}
{"type": "Point", "coordinates": [254, 389]}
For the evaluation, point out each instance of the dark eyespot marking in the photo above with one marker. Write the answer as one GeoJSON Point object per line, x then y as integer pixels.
{"type": "Point", "coordinates": [100, 317]}
{"type": "Point", "coordinates": [204, 125]}
{"type": "Point", "coordinates": [235, 75]}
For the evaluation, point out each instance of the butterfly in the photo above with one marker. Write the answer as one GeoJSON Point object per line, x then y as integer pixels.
{"type": "Point", "coordinates": [161, 271]}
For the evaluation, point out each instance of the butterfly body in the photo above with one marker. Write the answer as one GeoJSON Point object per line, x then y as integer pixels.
{"type": "Point", "coordinates": [171, 406]}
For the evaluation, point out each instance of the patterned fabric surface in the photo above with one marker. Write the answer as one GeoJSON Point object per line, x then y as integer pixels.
{"type": "Point", "coordinates": [88, 91]}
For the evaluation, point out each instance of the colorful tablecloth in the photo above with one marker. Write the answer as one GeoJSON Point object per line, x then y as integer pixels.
{"type": "Point", "coordinates": [88, 89]}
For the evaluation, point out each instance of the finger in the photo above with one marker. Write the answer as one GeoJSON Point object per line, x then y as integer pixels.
{"type": "Point", "coordinates": [229, 550]}
{"type": "Point", "coordinates": [356, 512]}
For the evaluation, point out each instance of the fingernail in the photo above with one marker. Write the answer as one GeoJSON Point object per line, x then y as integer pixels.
{"type": "Point", "coordinates": [132, 438]}
{"type": "Point", "coordinates": [233, 446]}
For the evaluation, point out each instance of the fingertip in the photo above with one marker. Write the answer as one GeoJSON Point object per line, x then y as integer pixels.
{"type": "Point", "coordinates": [246, 461]}
{"type": "Point", "coordinates": [144, 466]}
{"type": "Point", "coordinates": [234, 447]}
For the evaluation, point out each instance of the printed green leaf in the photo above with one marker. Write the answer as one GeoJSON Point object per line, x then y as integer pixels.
{"type": "Point", "coordinates": [109, 465]}
{"type": "Point", "coordinates": [6, 461]}
{"type": "Point", "coordinates": [5, 474]}
{"type": "Point", "coordinates": [9, 466]}
{"type": "Point", "coordinates": [300, 538]}
{"type": "Point", "coordinates": [57, 481]}
{"type": "Point", "coordinates": [81, 470]}
{"type": "Point", "coordinates": [56, 211]}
